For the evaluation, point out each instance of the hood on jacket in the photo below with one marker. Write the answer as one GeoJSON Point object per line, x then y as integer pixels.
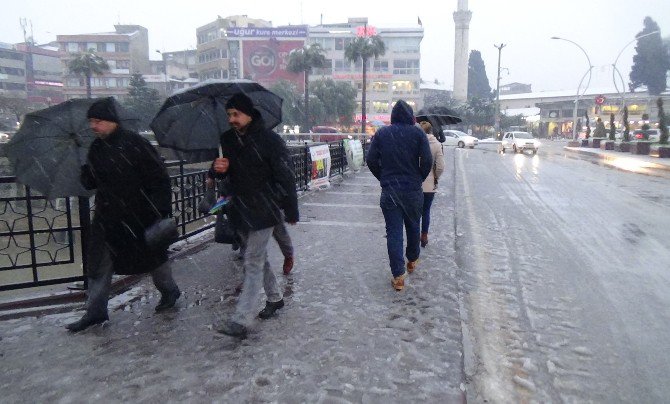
{"type": "Point", "coordinates": [402, 113]}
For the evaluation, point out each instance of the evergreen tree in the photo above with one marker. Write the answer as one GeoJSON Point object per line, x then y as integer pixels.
{"type": "Point", "coordinates": [612, 128]}
{"type": "Point", "coordinates": [651, 61]}
{"type": "Point", "coordinates": [478, 83]}
{"type": "Point", "coordinates": [292, 107]}
{"type": "Point", "coordinates": [142, 100]}
{"type": "Point", "coordinates": [338, 99]}
{"type": "Point", "coordinates": [303, 60]}
{"type": "Point", "coordinates": [87, 64]}
{"type": "Point", "coordinates": [626, 125]}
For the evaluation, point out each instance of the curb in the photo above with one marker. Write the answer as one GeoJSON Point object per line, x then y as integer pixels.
{"type": "Point", "coordinates": [625, 161]}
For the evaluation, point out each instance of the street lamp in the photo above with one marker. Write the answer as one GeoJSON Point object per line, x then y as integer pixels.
{"type": "Point", "coordinates": [164, 71]}
{"type": "Point", "coordinates": [615, 70]}
{"type": "Point", "coordinates": [574, 112]}
{"type": "Point", "coordinates": [497, 117]}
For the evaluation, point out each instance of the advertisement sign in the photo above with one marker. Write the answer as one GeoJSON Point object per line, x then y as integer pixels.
{"type": "Point", "coordinates": [265, 61]}
{"type": "Point", "coordinates": [354, 152]}
{"type": "Point", "coordinates": [320, 177]}
{"type": "Point", "coordinates": [298, 31]}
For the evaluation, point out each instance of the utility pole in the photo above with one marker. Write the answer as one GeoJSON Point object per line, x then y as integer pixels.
{"type": "Point", "coordinates": [497, 117]}
{"type": "Point", "coordinates": [29, 42]}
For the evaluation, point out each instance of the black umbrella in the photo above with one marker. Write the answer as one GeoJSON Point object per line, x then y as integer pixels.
{"type": "Point", "coordinates": [437, 121]}
{"type": "Point", "coordinates": [193, 119]}
{"type": "Point", "coordinates": [51, 145]}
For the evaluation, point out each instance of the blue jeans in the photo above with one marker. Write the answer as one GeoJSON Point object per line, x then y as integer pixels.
{"type": "Point", "coordinates": [425, 217]}
{"type": "Point", "coordinates": [401, 208]}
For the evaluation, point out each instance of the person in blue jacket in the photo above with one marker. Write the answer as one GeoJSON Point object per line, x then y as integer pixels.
{"type": "Point", "coordinates": [400, 158]}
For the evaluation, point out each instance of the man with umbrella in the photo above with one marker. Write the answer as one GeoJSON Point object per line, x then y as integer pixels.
{"type": "Point", "coordinates": [133, 192]}
{"type": "Point", "coordinates": [258, 165]}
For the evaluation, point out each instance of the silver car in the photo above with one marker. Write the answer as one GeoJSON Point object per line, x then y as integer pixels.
{"type": "Point", "coordinates": [520, 142]}
{"type": "Point", "coordinates": [460, 139]}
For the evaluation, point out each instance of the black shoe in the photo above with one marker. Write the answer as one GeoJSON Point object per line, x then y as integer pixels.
{"type": "Point", "coordinates": [233, 329]}
{"type": "Point", "coordinates": [86, 322]}
{"type": "Point", "coordinates": [168, 300]}
{"type": "Point", "coordinates": [270, 308]}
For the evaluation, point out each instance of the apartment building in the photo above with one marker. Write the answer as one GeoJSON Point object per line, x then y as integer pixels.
{"type": "Point", "coordinates": [126, 51]}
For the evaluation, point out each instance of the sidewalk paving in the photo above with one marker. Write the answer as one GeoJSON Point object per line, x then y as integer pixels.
{"type": "Point", "coordinates": [344, 335]}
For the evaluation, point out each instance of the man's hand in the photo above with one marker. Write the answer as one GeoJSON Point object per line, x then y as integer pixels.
{"type": "Point", "coordinates": [221, 165]}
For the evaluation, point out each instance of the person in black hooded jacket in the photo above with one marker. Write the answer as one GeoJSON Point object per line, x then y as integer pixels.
{"type": "Point", "coordinates": [400, 158]}
{"type": "Point", "coordinates": [258, 166]}
{"type": "Point", "coordinates": [132, 193]}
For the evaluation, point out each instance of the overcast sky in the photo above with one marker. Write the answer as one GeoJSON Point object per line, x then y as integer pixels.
{"type": "Point", "coordinates": [601, 27]}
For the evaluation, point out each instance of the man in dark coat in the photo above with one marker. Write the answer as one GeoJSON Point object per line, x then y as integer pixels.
{"type": "Point", "coordinates": [400, 158]}
{"type": "Point", "coordinates": [132, 193]}
{"type": "Point", "coordinates": [259, 168]}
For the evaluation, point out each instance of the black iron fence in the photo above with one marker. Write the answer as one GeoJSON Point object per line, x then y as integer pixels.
{"type": "Point", "coordinates": [41, 241]}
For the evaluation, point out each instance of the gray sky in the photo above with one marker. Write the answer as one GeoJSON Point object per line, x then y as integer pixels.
{"type": "Point", "coordinates": [601, 27]}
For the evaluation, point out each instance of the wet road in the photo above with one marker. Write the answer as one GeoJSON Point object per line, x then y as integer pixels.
{"type": "Point", "coordinates": [568, 281]}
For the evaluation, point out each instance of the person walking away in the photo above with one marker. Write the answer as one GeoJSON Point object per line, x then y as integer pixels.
{"type": "Point", "coordinates": [430, 183]}
{"type": "Point", "coordinates": [257, 162]}
{"type": "Point", "coordinates": [133, 192]}
{"type": "Point", "coordinates": [400, 158]}
{"type": "Point", "coordinates": [600, 130]}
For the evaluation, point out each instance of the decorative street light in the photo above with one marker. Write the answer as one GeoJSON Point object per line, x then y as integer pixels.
{"type": "Point", "coordinates": [497, 117]}
{"type": "Point", "coordinates": [578, 96]}
{"type": "Point", "coordinates": [622, 93]}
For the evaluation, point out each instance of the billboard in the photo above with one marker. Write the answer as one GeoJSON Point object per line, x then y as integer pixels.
{"type": "Point", "coordinates": [265, 61]}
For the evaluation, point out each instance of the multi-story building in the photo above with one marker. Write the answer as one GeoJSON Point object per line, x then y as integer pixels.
{"type": "Point", "coordinates": [126, 51]}
{"type": "Point", "coordinates": [12, 72]}
{"type": "Point", "coordinates": [393, 76]}
{"type": "Point", "coordinates": [181, 71]}
{"type": "Point", "coordinates": [44, 73]}
{"type": "Point", "coordinates": [240, 47]}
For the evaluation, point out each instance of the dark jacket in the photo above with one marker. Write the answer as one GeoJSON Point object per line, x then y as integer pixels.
{"type": "Point", "coordinates": [399, 155]}
{"type": "Point", "coordinates": [261, 177]}
{"type": "Point", "coordinates": [133, 192]}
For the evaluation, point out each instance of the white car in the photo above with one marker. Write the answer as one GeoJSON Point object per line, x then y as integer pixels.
{"type": "Point", "coordinates": [519, 142]}
{"type": "Point", "coordinates": [460, 139]}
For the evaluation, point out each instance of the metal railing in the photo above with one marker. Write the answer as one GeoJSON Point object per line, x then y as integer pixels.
{"type": "Point", "coordinates": [41, 241]}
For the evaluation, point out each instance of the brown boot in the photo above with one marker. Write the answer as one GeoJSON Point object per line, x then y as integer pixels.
{"type": "Point", "coordinates": [424, 239]}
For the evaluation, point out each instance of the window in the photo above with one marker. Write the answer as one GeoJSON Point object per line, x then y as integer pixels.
{"type": "Point", "coordinates": [12, 71]}
{"type": "Point", "coordinates": [122, 47]}
{"type": "Point", "coordinates": [342, 66]}
{"type": "Point", "coordinates": [380, 66]}
{"type": "Point", "coordinates": [109, 47]}
{"type": "Point", "coordinates": [72, 47]}
{"type": "Point", "coordinates": [406, 66]}
{"type": "Point", "coordinates": [403, 87]}
{"type": "Point", "coordinates": [380, 107]}
{"type": "Point", "coordinates": [7, 54]}
{"type": "Point", "coordinates": [380, 86]}
{"type": "Point", "coordinates": [327, 68]}
{"type": "Point", "coordinates": [123, 64]}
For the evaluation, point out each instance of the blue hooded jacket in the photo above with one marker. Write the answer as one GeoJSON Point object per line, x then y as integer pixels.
{"type": "Point", "coordinates": [399, 155]}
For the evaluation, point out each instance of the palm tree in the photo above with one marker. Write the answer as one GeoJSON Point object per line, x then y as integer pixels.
{"type": "Point", "coordinates": [364, 47]}
{"type": "Point", "coordinates": [87, 64]}
{"type": "Point", "coordinates": [302, 60]}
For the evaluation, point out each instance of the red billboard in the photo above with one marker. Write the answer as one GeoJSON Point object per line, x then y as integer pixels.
{"type": "Point", "coordinates": [265, 61]}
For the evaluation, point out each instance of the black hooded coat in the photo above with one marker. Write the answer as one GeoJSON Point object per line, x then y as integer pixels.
{"type": "Point", "coordinates": [261, 177]}
{"type": "Point", "coordinates": [133, 192]}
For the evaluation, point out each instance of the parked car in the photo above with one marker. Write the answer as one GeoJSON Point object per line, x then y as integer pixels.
{"type": "Point", "coordinates": [653, 135]}
{"type": "Point", "coordinates": [520, 142]}
{"type": "Point", "coordinates": [460, 139]}
{"type": "Point", "coordinates": [333, 136]}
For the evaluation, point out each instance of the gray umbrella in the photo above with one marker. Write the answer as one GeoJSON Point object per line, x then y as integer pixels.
{"type": "Point", "coordinates": [51, 145]}
{"type": "Point", "coordinates": [194, 118]}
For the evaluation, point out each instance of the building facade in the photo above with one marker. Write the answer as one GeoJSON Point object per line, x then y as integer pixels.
{"type": "Point", "coordinates": [393, 76]}
{"type": "Point", "coordinates": [126, 51]}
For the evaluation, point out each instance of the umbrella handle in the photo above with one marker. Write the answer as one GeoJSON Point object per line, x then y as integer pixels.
{"type": "Point", "coordinates": [220, 151]}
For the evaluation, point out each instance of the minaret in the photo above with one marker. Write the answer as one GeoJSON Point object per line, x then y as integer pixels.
{"type": "Point", "coordinates": [462, 50]}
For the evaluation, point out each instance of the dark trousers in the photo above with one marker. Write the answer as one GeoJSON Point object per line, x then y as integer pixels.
{"type": "Point", "coordinates": [401, 210]}
{"type": "Point", "coordinates": [425, 216]}
{"type": "Point", "coordinates": [101, 269]}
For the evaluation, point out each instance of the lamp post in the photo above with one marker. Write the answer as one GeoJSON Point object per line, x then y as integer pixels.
{"type": "Point", "coordinates": [578, 96]}
{"type": "Point", "coordinates": [622, 94]}
{"type": "Point", "coordinates": [497, 117]}
{"type": "Point", "coordinates": [164, 71]}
